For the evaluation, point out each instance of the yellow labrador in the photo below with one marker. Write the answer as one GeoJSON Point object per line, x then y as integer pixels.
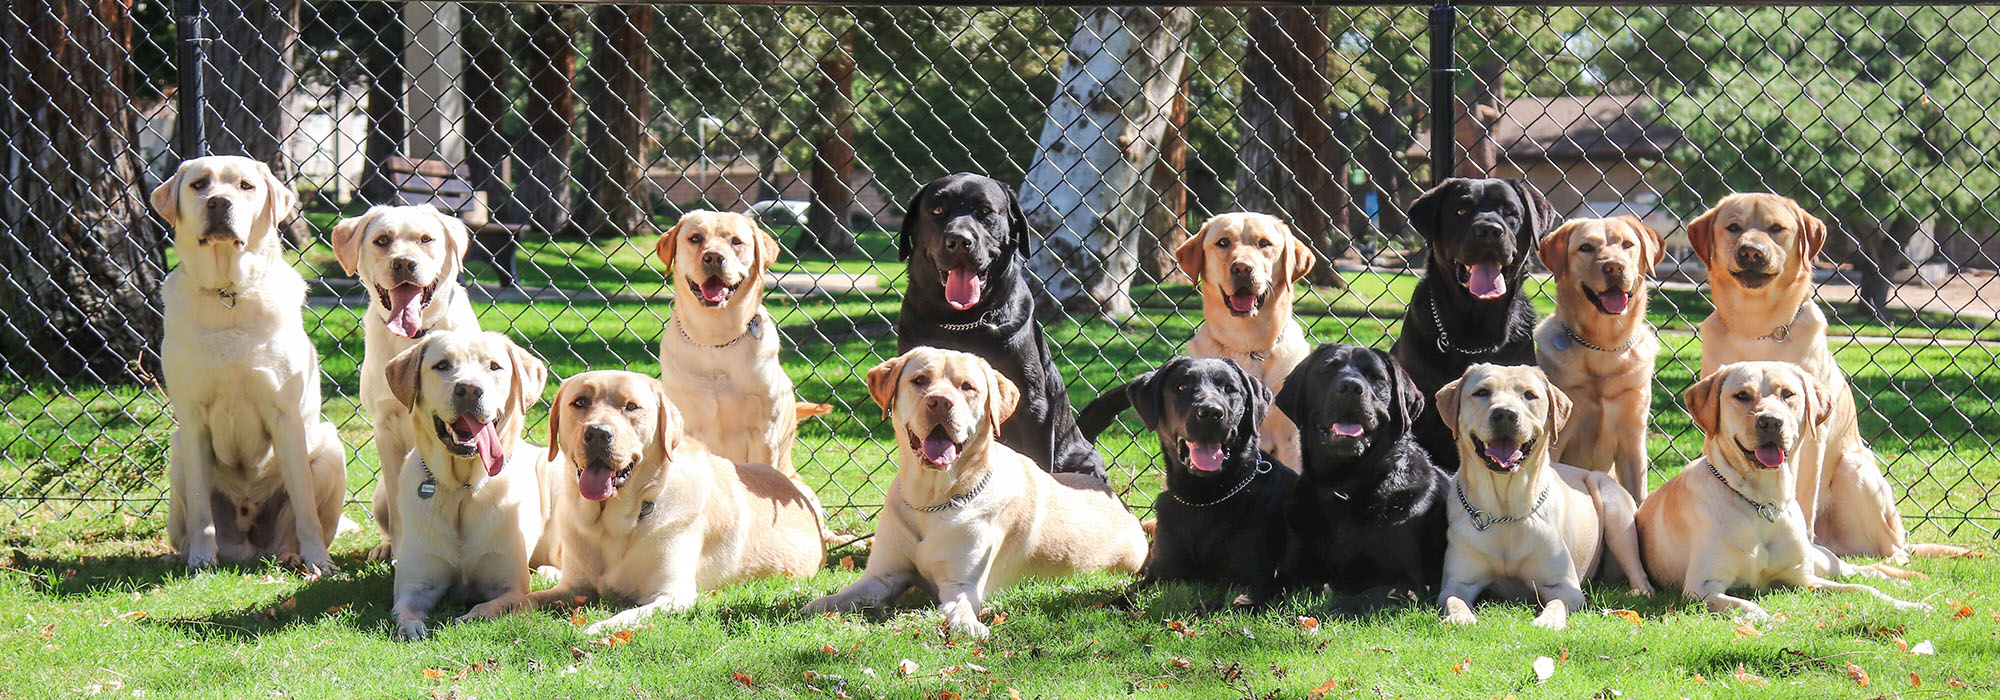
{"type": "Point", "coordinates": [1759, 250]}
{"type": "Point", "coordinates": [408, 259]}
{"type": "Point", "coordinates": [254, 471]}
{"type": "Point", "coordinates": [1525, 526]}
{"type": "Point", "coordinates": [719, 354]}
{"type": "Point", "coordinates": [967, 516]}
{"type": "Point", "coordinates": [655, 518]}
{"type": "Point", "coordinates": [1597, 347]}
{"type": "Point", "coordinates": [1245, 265]}
{"type": "Point", "coordinates": [1731, 519]}
{"type": "Point", "coordinates": [475, 497]}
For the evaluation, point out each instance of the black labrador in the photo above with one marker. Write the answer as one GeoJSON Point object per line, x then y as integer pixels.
{"type": "Point", "coordinates": [1469, 307]}
{"type": "Point", "coordinates": [1221, 517]}
{"type": "Point", "coordinates": [967, 244]}
{"type": "Point", "coordinates": [1369, 508]}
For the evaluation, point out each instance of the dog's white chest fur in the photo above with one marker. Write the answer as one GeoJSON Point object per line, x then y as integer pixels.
{"type": "Point", "coordinates": [253, 340]}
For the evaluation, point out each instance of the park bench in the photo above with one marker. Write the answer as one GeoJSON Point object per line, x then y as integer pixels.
{"type": "Point", "coordinates": [449, 188]}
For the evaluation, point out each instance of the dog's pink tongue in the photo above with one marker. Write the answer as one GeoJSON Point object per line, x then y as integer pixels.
{"type": "Point", "coordinates": [487, 440]}
{"type": "Point", "coordinates": [939, 450]}
{"type": "Point", "coordinates": [1242, 302]}
{"type": "Point", "coordinates": [405, 314]}
{"type": "Point", "coordinates": [961, 288]}
{"type": "Point", "coordinates": [1486, 282]}
{"type": "Point", "coordinates": [1205, 457]}
{"type": "Point", "coordinates": [1771, 456]}
{"type": "Point", "coordinates": [714, 291]}
{"type": "Point", "coordinates": [1507, 454]}
{"type": "Point", "coordinates": [1347, 429]}
{"type": "Point", "coordinates": [1614, 302]}
{"type": "Point", "coordinates": [595, 482]}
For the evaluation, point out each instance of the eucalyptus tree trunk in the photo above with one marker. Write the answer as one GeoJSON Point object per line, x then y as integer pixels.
{"type": "Point", "coordinates": [251, 110]}
{"type": "Point", "coordinates": [549, 109]}
{"type": "Point", "coordinates": [827, 221]}
{"type": "Point", "coordinates": [616, 192]}
{"type": "Point", "coordinates": [1288, 162]}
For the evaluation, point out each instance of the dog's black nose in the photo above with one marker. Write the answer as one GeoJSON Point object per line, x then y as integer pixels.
{"type": "Point", "coordinates": [402, 266]}
{"type": "Point", "coordinates": [711, 258]}
{"type": "Point", "coordinates": [597, 434]}
{"type": "Point", "coordinates": [466, 390]}
{"type": "Point", "coordinates": [937, 403]}
{"type": "Point", "coordinates": [1239, 268]}
{"type": "Point", "coordinates": [1208, 412]}
{"type": "Point", "coordinates": [1614, 269]}
{"type": "Point", "coordinates": [217, 202]}
{"type": "Point", "coordinates": [1503, 418]}
{"type": "Point", "coordinates": [955, 241]}
{"type": "Point", "coordinates": [1488, 229]}
{"type": "Point", "coordinates": [1770, 425]}
{"type": "Point", "coordinates": [1349, 386]}
{"type": "Point", "coordinates": [1751, 256]}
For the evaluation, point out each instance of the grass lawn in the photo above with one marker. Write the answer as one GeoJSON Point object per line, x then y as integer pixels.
{"type": "Point", "coordinates": [87, 607]}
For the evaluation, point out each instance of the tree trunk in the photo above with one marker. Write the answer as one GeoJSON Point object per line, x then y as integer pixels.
{"type": "Point", "coordinates": [250, 106]}
{"type": "Point", "coordinates": [550, 113]}
{"type": "Point", "coordinates": [487, 35]}
{"type": "Point", "coordinates": [769, 153]}
{"type": "Point", "coordinates": [1104, 129]}
{"type": "Point", "coordinates": [827, 221]}
{"type": "Point", "coordinates": [1388, 135]}
{"type": "Point", "coordinates": [1478, 109]}
{"type": "Point", "coordinates": [1288, 164]}
{"type": "Point", "coordinates": [388, 125]}
{"type": "Point", "coordinates": [618, 197]}
{"type": "Point", "coordinates": [80, 264]}
{"type": "Point", "coordinates": [1166, 214]}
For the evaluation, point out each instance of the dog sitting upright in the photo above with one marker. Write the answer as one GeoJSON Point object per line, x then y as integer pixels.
{"type": "Point", "coordinates": [1368, 511]}
{"type": "Point", "coordinates": [966, 515]}
{"type": "Point", "coordinates": [476, 499]}
{"type": "Point", "coordinates": [967, 244]}
{"type": "Point", "coordinates": [1221, 517]}
{"type": "Point", "coordinates": [1597, 347]}
{"type": "Point", "coordinates": [1526, 527]}
{"type": "Point", "coordinates": [652, 516]}
{"type": "Point", "coordinates": [1469, 307]}
{"type": "Point", "coordinates": [254, 472]}
{"type": "Point", "coordinates": [1245, 265]}
{"type": "Point", "coordinates": [1731, 519]}
{"type": "Point", "coordinates": [408, 259]}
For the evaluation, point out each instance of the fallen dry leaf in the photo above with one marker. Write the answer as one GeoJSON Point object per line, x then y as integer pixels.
{"type": "Point", "coordinates": [1964, 611]}
{"type": "Point", "coordinates": [1631, 616]}
{"type": "Point", "coordinates": [828, 648]}
{"type": "Point", "coordinates": [1563, 656]}
{"type": "Point", "coordinates": [1901, 645]}
{"type": "Point", "coordinates": [1746, 631]}
{"type": "Point", "coordinates": [134, 615]}
{"type": "Point", "coordinates": [1324, 688]}
{"type": "Point", "coordinates": [1177, 627]}
{"type": "Point", "coordinates": [1180, 662]}
{"type": "Point", "coordinates": [847, 563]}
{"type": "Point", "coordinates": [1748, 678]}
{"type": "Point", "coordinates": [906, 667]}
{"type": "Point", "coordinates": [432, 674]}
{"type": "Point", "coordinates": [1916, 680]}
{"type": "Point", "coordinates": [1699, 680]}
{"type": "Point", "coordinates": [1462, 664]}
{"type": "Point", "coordinates": [1955, 683]}
{"type": "Point", "coordinates": [576, 618]}
{"type": "Point", "coordinates": [742, 679]}
{"type": "Point", "coordinates": [1924, 648]}
{"type": "Point", "coordinates": [1309, 624]}
{"type": "Point", "coordinates": [998, 618]}
{"type": "Point", "coordinates": [49, 630]}
{"type": "Point", "coordinates": [1013, 694]}
{"type": "Point", "coordinates": [1545, 668]}
{"type": "Point", "coordinates": [945, 695]}
{"type": "Point", "coordinates": [1860, 676]}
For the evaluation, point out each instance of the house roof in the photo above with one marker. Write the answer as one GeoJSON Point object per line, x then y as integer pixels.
{"type": "Point", "coordinates": [1566, 127]}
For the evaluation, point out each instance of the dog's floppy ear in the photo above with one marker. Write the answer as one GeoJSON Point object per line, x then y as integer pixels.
{"type": "Point", "coordinates": [555, 423]}
{"type": "Point", "coordinates": [1144, 394]}
{"type": "Point", "coordinates": [1424, 212]}
{"type": "Point", "coordinates": [529, 376]}
{"type": "Point", "coordinates": [1447, 404]}
{"type": "Point", "coordinates": [883, 380]}
{"type": "Point", "coordinates": [1291, 397]}
{"type": "Point", "coordinates": [404, 371]}
{"type": "Point", "coordinates": [1018, 221]}
{"type": "Point", "coordinates": [457, 240]}
{"type": "Point", "coordinates": [279, 204]}
{"type": "Point", "coordinates": [667, 432]}
{"type": "Point", "coordinates": [1300, 258]}
{"type": "Point", "coordinates": [167, 197]}
{"type": "Point", "coordinates": [1652, 246]}
{"type": "Point", "coordinates": [1189, 255]}
{"type": "Point", "coordinates": [1540, 217]}
{"type": "Point", "coordinates": [1559, 408]}
{"type": "Point", "coordinates": [1704, 401]}
{"type": "Point", "coordinates": [1258, 398]}
{"type": "Point", "coordinates": [1408, 397]}
{"type": "Point", "coordinates": [1819, 400]}
{"type": "Point", "coordinates": [1812, 235]}
{"type": "Point", "coordinates": [766, 246]}
{"type": "Point", "coordinates": [1701, 235]}
{"type": "Point", "coordinates": [347, 236]}
{"type": "Point", "coordinates": [668, 243]}
{"type": "Point", "coordinates": [1554, 248]}
{"type": "Point", "coordinates": [1002, 400]}
{"type": "Point", "coordinates": [913, 215]}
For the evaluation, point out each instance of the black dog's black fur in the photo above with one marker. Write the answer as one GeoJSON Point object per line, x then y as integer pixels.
{"type": "Point", "coordinates": [1223, 527]}
{"type": "Point", "coordinates": [1368, 511]}
{"type": "Point", "coordinates": [1466, 221]}
{"type": "Point", "coordinates": [974, 222]}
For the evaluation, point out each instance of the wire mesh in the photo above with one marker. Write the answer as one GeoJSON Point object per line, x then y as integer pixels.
{"type": "Point", "coordinates": [587, 129]}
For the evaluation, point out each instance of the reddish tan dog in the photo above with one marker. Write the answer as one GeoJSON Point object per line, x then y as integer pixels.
{"type": "Point", "coordinates": [1245, 265]}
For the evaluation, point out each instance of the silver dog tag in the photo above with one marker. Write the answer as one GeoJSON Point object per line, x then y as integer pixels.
{"type": "Point", "coordinates": [427, 489]}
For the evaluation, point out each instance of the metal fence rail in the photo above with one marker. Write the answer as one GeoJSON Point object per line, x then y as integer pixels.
{"type": "Point", "coordinates": [593, 126]}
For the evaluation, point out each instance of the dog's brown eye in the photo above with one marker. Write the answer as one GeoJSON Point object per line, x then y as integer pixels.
{"type": "Point", "coordinates": [493, 366]}
{"type": "Point", "coordinates": [937, 211]}
{"type": "Point", "coordinates": [1786, 394]}
{"type": "Point", "coordinates": [1462, 211]}
{"type": "Point", "coordinates": [198, 185]}
{"type": "Point", "coordinates": [630, 406]}
{"type": "Point", "coordinates": [695, 239]}
{"type": "Point", "coordinates": [1743, 396]}
{"type": "Point", "coordinates": [426, 240]}
{"type": "Point", "coordinates": [967, 388]}
{"type": "Point", "coordinates": [1263, 244]}
{"type": "Point", "coordinates": [1777, 228]}
{"type": "Point", "coordinates": [1482, 392]}
{"type": "Point", "coordinates": [1222, 243]}
{"type": "Point", "coordinates": [580, 402]}
{"type": "Point", "coordinates": [921, 381]}
{"type": "Point", "coordinates": [738, 242]}
{"type": "Point", "coordinates": [1586, 248]}
{"type": "Point", "coordinates": [381, 241]}
{"type": "Point", "coordinates": [247, 185]}
{"type": "Point", "coordinates": [1734, 228]}
{"type": "Point", "coordinates": [1531, 396]}
{"type": "Point", "coordinates": [442, 365]}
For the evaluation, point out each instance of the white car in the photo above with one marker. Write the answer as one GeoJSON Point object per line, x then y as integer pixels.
{"type": "Point", "coordinates": [779, 212]}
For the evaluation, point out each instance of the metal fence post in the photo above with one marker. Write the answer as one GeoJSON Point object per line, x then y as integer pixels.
{"type": "Point", "coordinates": [1444, 18]}
{"type": "Point", "coordinates": [191, 52]}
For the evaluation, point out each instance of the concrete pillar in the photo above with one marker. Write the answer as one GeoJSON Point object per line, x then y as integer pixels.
{"type": "Point", "coordinates": [434, 59]}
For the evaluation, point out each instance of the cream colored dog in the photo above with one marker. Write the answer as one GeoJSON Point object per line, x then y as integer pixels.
{"type": "Point", "coordinates": [1523, 525]}
{"type": "Point", "coordinates": [654, 517]}
{"type": "Point", "coordinates": [1730, 520]}
{"type": "Point", "coordinates": [475, 498]}
{"type": "Point", "coordinates": [408, 259]}
{"type": "Point", "coordinates": [1759, 250]}
{"type": "Point", "coordinates": [242, 377]}
{"type": "Point", "coordinates": [1245, 265]}
{"type": "Point", "coordinates": [719, 355]}
{"type": "Point", "coordinates": [966, 516]}
{"type": "Point", "coordinates": [1597, 347]}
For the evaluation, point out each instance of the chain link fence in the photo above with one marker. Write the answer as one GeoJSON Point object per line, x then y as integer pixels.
{"type": "Point", "coordinates": [574, 134]}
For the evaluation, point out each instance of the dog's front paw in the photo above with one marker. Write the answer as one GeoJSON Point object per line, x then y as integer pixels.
{"type": "Point", "coordinates": [1755, 615]}
{"type": "Point", "coordinates": [381, 552]}
{"type": "Point", "coordinates": [412, 631]}
{"type": "Point", "coordinates": [198, 559]}
{"type": "Point", "coordinates": [1643, 589]}
{"type": "Point", "coordinates": [827, 604]}
{"type": "Point", "coordinates": [969, 627]}
{"type": "Point", "coordinates": [484, 611]}
{"type": "Point", "coordinates": [1456, 612]}
{"type": "Point", "coordinates": [1554, 618]}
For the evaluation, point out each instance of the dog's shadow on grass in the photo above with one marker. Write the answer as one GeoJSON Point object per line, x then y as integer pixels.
{"type": "Point", "coordinates": [360, 595]}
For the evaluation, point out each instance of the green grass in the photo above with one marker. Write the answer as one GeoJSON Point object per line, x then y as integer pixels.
{"type": "Point", "coordinates": [85, 556]}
